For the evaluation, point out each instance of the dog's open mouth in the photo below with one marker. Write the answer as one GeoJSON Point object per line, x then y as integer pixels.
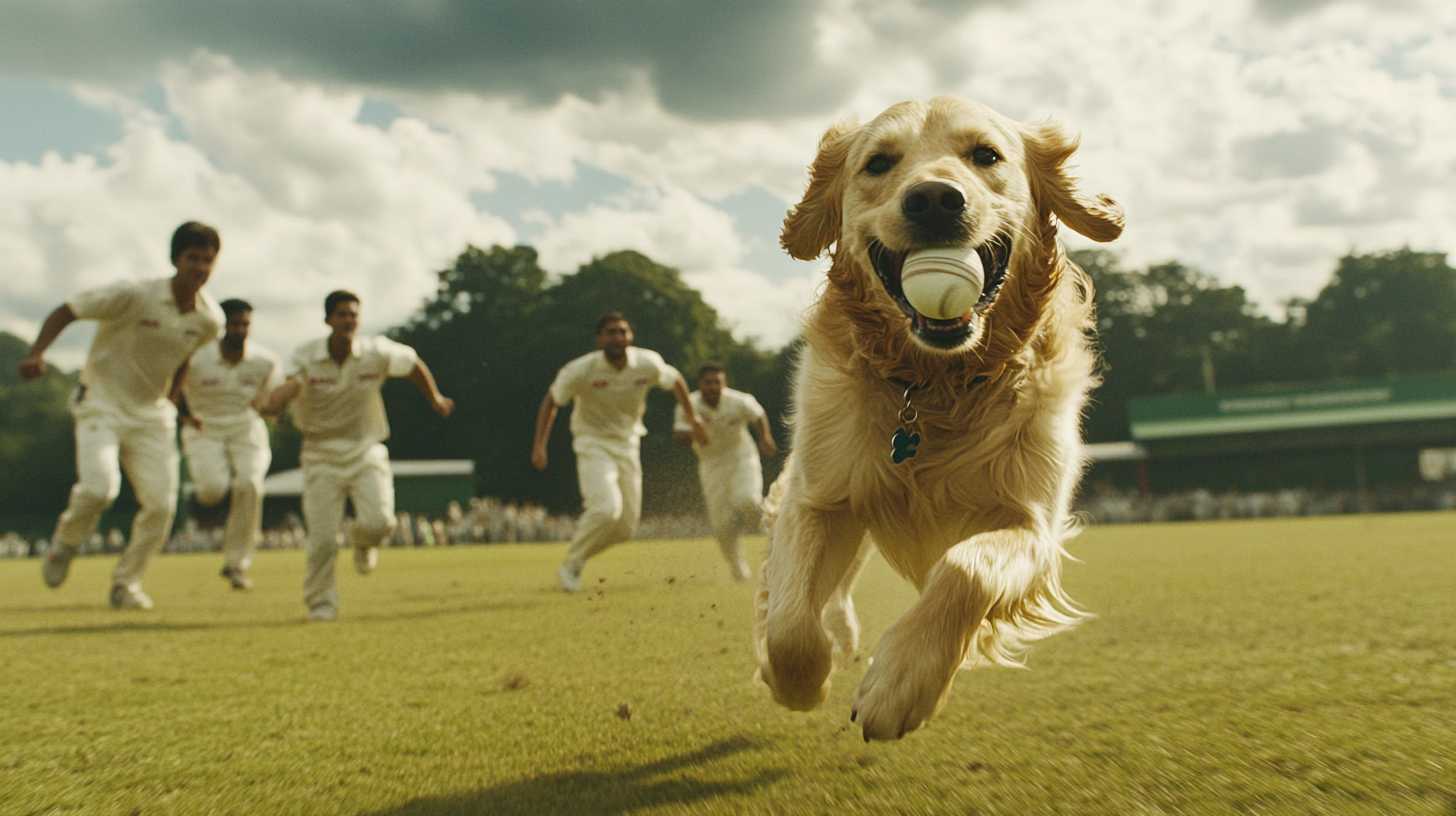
{"type": "Point", "coordinates": [947, 334]}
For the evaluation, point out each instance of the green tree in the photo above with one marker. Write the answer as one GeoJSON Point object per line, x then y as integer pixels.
{"type": "Point", "coordinates": [37, 446]}
{"type": "Point", "coordinates": [495, 334]}
{"type": "Point", "coordinates": [1169, 329]}
{"type": "Point", "coordinates": [1381, 314]}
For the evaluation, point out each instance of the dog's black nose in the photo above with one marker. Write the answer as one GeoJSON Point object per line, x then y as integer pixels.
{"type": "Point", "coordinates": [934, 203]}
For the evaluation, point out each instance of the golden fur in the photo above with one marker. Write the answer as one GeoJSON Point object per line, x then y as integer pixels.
{"type": "Point", "coordinates": [976, 520]}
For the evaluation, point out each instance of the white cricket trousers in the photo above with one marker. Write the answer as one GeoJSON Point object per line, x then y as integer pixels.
{"type": "Point", "coordinates": [232, 459]}
{"type": "Point", "coordinates": [610, 476]}
{"type": "Point", "coordinates": [366, 480]}
{"type": "Point", "coordinates": [106, 442]}
{"type": "Point", "coordinates": [733, 492]}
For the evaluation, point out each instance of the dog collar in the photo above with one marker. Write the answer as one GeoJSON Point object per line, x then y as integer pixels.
{"type": "Point", "coordinates": [905, 441]}
{"type": "Point", "coordinates": [906, 384]}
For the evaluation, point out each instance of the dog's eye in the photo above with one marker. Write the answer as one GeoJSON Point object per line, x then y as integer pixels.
{"type": "Point", "coordinates": [985, 156]}
{"type": "Point", "coordinates": [879, 164]}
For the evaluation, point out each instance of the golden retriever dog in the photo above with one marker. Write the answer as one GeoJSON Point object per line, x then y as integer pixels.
{"type": "Point", "coordinates": [976, 513]}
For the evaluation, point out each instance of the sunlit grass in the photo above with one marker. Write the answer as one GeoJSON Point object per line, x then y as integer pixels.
{"type": "Point", "coordinates": [1282, 667]}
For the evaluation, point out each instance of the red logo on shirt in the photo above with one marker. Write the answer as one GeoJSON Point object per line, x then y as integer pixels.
{"type": "Point", "coordinates": [150, 323]}
{"type": "Point", "coordinates": [641, 382]}
{"type": "Point", "coordinates": [368, 377]}
{"type": "Point", "coordinates": [209, 383]}
{"type": "Point", "coordinates": [320, 380]}
{"type": "Point", "coordinates": [600, 383]}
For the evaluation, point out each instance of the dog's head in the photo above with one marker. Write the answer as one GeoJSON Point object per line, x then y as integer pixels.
{"type": "Point", "coordinates": [945, 173]}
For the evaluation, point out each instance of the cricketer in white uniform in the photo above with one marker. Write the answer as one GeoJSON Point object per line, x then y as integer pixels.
{"type": "Point", "coordinates": [728, 465]}
{"type": "Point", "coordinates": [225, 438]}
{"type": "Point", "coordinates": [125, 410]}
{"type": "Point", "coordinates": [610, 390]}
{"type": "Point", "coordinates": [334, 385]}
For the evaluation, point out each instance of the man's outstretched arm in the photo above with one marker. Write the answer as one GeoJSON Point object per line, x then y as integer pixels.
{"type": "Point", "coordinates": [425, 381]}
{"type": "Point", "coordinates": [767, 448]}
{"type": "Point", "coordinates": [700, 431]}
{"type": "Point", "coordinates": [271, 403]}
{"type": "Point", "coordinates": [34, 365]}
{"type": "Point", "coordinates": [545, 417]}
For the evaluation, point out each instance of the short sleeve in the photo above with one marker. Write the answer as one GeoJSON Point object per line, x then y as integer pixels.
{"type": "Point", "coordinates": [274, 378]}
{"type": "Point", "coordinates": [752, 408]}
{"type": "Point", "coordinates": [563, 388]}
{"type": "Point", "coordinates": [679, 420]}
{"type": "Point", "coordinates": [218, 320]}
{"type": "Point", "coordinates": [667, 376]}
{"type": "Point", "coordinates": [402, 358]}
{"type": "Point", "coordinates": [106, 303]}
{"type": "Point", "coordinates": [298, 364]}
{"type": "Point", "coordinates": [216, 334]}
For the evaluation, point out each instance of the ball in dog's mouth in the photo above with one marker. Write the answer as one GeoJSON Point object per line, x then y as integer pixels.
{"type": "Point", "coordinates": [950, 332]}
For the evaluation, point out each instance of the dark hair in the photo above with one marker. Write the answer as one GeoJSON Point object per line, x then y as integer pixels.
{"type": "Point", "coordinates": [607, 318]}
{"type": "Point", "coordinates": [709, 368]}
{"type": "Point", "coordinates": [232, 306]}
{"type": "Point", "coordinates": [194, 234]}
{"type": "Point", "coordinates": [335, 298]}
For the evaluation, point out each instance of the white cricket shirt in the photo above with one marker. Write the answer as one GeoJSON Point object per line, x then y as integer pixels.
{"type": "Point", "coordinates": [339, 411]}
{"type": "Point", "coordinates": [221, 393]}
{"type": "Point", "coordinates": [141, 340]}
{"type": "Point", "coordinates": [728, 437]}
{"type": "Point", "coordinates": [610, 403]}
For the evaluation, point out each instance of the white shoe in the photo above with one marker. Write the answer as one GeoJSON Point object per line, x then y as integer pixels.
{"type": "Point", "coordinates": [124, 597]}
{"type": "Point", "coordinates": [741, 571]}
{"type": "Point", "coordinates": [366, 559]}
{"type": "Point", "coordinates": [570, 578]}
{"type": "Point", "coordinates": [56, 567]}
{"type": "Point", "coordinates": [238, 577]}
{"type": "Point", "coordinates": [323, 612]}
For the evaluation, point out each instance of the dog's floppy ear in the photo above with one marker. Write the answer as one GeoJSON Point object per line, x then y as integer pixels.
{"type": "Point", "coordinates": [813, 225]}
{"type": "Point", "coordinates": [1048, 147]}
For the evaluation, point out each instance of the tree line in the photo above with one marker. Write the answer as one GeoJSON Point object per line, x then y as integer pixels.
{"type": "Point", "coordinates": [1171, 329]}
{"type": "Point", "coordinates": [497, 328]}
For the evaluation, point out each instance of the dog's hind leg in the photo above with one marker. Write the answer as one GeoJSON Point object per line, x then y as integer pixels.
{"type": "Point", "coordinates": [839, 618]}
{"type": "Point", "coordinates": [918, 656]}
{"type": "Point", "coordinates": [811, 551]}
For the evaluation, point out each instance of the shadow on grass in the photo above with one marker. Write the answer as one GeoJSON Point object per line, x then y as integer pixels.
{"type": "Point", "coordinates": [673, 781]}
{"type": "Point", "coordinates": [127, 623]}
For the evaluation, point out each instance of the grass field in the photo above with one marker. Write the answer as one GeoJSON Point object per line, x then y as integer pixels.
{"type": "Point", "coordinates": [1304, 666]}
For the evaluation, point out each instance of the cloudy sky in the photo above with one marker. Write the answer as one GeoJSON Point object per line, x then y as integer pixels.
{"type": "Point", "coordinates": [365, 143]}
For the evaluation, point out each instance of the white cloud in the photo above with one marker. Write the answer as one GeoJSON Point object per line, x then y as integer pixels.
{"type": "Point", "coordinates": [1256, 146]}
{"type": "Point", "coordinates": [677, 229]}
{"type": "Point", "coordinates": [307, 199]}
{"type": "Point", "coordinates": [1182, 108]}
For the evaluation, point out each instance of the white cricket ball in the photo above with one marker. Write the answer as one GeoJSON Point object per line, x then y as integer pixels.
{"type": "Point", "coordinates": [944, 282]}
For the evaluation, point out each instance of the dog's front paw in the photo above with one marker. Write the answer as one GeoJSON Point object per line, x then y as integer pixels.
{"type": "Point", "coordinates": [905, 685]}
{"type": "Point", "coordinates": [797, 670]}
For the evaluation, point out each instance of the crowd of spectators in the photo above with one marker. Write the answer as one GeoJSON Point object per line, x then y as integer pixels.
{"type": "Point", "coordinates": [485, 521]}
{"type": "Point", "coordinates": [490, 521]}
{"type": "Point", "coordinates": [1110, 505]}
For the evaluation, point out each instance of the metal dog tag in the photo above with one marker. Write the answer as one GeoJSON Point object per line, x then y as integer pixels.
{"type": "Point", "coordinates": [902, 445]}
{"type": "Point", "coordinates": [903, 442]}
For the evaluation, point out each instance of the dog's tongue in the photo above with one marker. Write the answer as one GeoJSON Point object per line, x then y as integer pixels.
{"type": "Point", "coordinates": [932, 324]}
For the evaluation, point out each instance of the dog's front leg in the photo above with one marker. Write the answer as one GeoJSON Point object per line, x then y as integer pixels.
{"type": "Point", "coordinates": [810, 553]}
{"type": "Point", "coordinates": [918, 656]}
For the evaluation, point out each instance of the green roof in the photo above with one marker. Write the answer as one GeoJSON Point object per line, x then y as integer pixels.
{"type": "Point", "coordinates": [1370, 402]}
